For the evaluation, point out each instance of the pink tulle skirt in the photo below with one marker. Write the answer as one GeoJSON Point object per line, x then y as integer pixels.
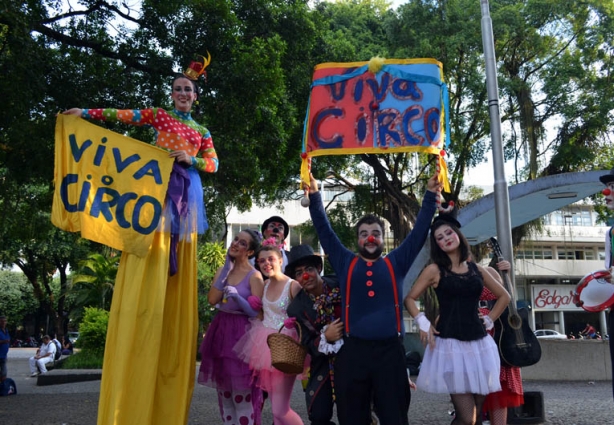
{"type": "Point", "coordinates": [252, 348]}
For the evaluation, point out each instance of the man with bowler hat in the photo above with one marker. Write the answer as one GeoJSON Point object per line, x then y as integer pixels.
{"type": "Point", "coordinates": [277, 228]}
{"type": "Point", "coordinates": [608, 192]}
{"type": "Point", "coordinates": [317, 309]}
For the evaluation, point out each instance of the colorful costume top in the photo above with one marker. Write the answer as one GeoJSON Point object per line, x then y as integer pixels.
{"type": "Point", "coordinates": [373, 313]}
{"type": "Point", "coordinates": [312, 314]}
{"type": "Point", "coordinates": [184, 211]}
{"type": "Point", "coordinates": [175, 130]}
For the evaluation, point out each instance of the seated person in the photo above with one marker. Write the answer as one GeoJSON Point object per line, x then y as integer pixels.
{"type": "Point", "coordinates": [67, 347]}
{"type": "Point", "coordinates": [589, 331]}
{"type": "Point", "coordinates": [44, 355]}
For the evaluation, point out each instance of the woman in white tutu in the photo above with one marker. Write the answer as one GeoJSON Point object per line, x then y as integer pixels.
{"type": "Point", "coordinates": [252, 348]}
{"type": "Point", "coordinates": [461, 359]}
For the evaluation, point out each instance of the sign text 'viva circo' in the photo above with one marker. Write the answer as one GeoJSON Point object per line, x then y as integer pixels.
{"type": "Point", "coordinates": [109, 187]}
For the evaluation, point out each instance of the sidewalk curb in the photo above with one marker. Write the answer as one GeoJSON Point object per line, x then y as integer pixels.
{"type": "Point", "coordinates": [66, 376]}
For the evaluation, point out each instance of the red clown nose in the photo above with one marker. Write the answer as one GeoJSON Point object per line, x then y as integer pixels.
{"type": "Point", "coordinates": [606, 192]}
{"type": "Point", "coordinates": [305, 276]}
{"type": "Point", "coordinates": [371, 239]}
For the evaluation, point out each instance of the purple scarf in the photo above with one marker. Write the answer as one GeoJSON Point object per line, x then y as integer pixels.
{"type": "Point", "coordinates": [177, 194]}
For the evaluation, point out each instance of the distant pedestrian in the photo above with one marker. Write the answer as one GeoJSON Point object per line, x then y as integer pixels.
{"type": "Point", "coordinates": [589, 331]}
{"type": "Point", "coordinates": [67, 347]}
{"type": "Point", "coordinates": [44, 355]}
{"type": "Point", "coordinates": [5, 342]}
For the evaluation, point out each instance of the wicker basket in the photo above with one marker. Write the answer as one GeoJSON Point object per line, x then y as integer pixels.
{"type": "Point", "coordinates": [287, 355]}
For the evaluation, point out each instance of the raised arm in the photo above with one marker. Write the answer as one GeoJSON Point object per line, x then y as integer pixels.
{"type": "Point", "coordinates": [328, 238]}
{"type": "Point", "coordinates": [409, 249]}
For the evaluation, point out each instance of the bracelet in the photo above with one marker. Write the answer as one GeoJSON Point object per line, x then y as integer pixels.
{"type": "Point", "coordinates": [423, 323]}
{"type": "Point", "coordinates": [488, 323]}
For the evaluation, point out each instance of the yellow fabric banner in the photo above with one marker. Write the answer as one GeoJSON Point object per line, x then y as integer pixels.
{"type": "Point", "coordinates": [109, 187]}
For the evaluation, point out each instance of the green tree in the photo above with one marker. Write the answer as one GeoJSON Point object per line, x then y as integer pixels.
{"type": "Point", "coordinates": [211, 256]}
{"type": "Point", "coordinates": [93, 284]}
{"type": "Point", "coordinates": [102, 54]}
{"type": "Point", "coordinates": [554, 62]}
{"type": "Point", "coordinates": [17, 299]}
{"type": "Point", "coordinates": [29, 241]}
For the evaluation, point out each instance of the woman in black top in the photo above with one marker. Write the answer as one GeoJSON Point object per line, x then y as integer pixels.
{"type": "Point", "coordinates": [461, 359]}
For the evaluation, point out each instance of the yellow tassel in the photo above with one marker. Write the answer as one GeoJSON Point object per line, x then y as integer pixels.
{"type": "Point", "coordinates": [443, 175]}
{"type": "Point", "coordinates": [376, 64]}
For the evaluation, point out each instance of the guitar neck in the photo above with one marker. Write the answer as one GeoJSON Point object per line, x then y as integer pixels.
{"type": "Point", "coordinates": [507, 284]}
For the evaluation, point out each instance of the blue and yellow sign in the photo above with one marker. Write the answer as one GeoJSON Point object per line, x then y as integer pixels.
{"type": "Point", "coordinates": [109, 187]}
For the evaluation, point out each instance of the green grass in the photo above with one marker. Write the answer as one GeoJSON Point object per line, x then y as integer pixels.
{"type": "Point", "coordinates": [82, 360]}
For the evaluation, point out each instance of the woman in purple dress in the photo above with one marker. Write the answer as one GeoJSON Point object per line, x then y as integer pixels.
{"type": "Point", "coordinates": [237, 293]}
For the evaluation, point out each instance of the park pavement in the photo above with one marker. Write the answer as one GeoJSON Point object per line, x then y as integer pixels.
{"type": "Point", "coordinates": [565, 403]}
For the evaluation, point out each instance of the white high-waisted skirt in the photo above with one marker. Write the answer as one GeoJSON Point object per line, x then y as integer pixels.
{"type": "Point", "coordinates": [460, 367]}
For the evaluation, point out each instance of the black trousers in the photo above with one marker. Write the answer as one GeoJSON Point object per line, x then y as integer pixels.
{"type": "Point", "coordinates": [321, 408]}
{"type": "Point", "coordinates": [371, 369]}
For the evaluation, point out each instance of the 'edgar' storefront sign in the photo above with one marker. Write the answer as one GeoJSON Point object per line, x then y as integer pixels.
{"type": "Point", "coordinates": [109, 187]}
{"type": "Point", "coordinates": [553, 297]}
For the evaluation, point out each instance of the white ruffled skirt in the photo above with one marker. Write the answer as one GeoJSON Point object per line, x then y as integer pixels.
{"type": "Point", "coordinates": [460, 367]}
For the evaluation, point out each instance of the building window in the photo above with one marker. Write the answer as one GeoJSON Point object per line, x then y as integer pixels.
{"type": "Point", "coordinates": [555, 219]}
{"type": "Point", "coordinates": [601, 254]}
{"type": "Point", "coordinates": [570, 218]}
{"type": "Point", "coordinates": [534, 254]}
{"type": "Point", "coordinates": [566, 255]}
{"type": "Point", "coordinates": [235, 228]}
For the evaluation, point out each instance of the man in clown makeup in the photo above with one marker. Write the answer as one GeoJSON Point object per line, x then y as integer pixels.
{"type": "Point", "coordinates": [277, 228]}
{"type": "Point", "coordinates": [317, 310]}
{"type": "Point", "coordinates": [371, 362]}
{"type": "Point", "coordinates": [608, 192]}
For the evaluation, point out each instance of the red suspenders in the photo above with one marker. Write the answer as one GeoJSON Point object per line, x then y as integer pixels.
{"type": "Point", "coordinates": [347, 295]}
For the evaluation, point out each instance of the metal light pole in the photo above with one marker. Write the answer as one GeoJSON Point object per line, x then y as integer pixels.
{"type": "Point", "coordinates": [502, 200]}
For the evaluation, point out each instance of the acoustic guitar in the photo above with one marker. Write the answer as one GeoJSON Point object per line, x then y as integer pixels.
{"type": "Point", "coordinates": [518, 345]}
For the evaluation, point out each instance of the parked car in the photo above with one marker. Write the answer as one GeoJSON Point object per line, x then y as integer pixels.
{"type": "Point", "coordinates": [549, 334]}
{"type": "Point", "coordinates": [73, 336]}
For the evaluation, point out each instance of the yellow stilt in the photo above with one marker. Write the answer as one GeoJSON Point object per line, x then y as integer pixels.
{"type": "Point", "coordinates": [150, 356]}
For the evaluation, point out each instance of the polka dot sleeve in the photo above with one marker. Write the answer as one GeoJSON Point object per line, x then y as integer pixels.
{"type": "Point", "coordinates": [209, 162]}
{"type": "Point", "coordinates": [127, 116]}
